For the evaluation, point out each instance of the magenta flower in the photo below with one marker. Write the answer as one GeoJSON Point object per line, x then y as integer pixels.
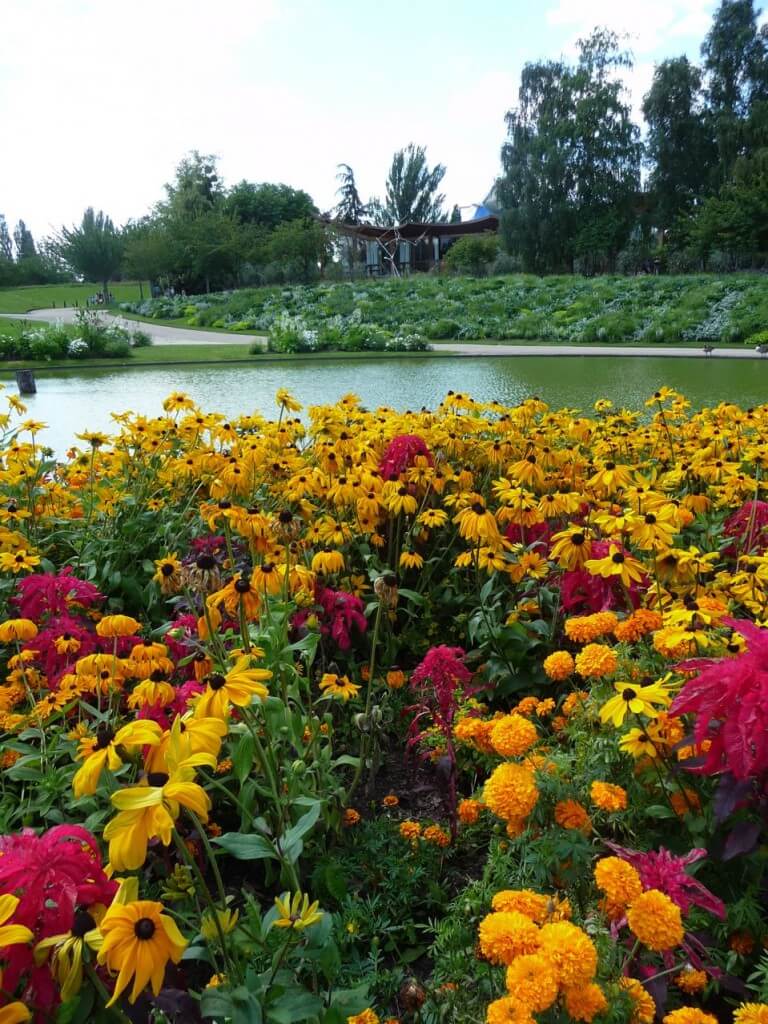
{"type": "Point", "coordinates": [401, 453]}
{"type": "Point", "coordinates": [748, 526]}
{"type": "Point", "coordinates": [442, 670]}
{"type": "Point", "coordinates": [660, 869]}
{"type": "Point", "coordinates": [44, 594]}
{"type": "Point", "coordinates": [730, 700]}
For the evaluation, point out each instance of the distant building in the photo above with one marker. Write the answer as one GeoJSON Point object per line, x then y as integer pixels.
{"type": "Point", "coordinates": [400, 249]}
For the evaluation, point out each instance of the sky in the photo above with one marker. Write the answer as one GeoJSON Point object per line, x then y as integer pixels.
{"type": "Point", "coordinates": [100, 99]}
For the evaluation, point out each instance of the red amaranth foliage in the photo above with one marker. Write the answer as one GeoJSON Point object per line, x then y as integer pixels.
{"type": "Point", "coordinates": [338, 612]}
{"type": "Point", "coordinates": [54, 875]}
{"type": "Point", "coordinates": [400, 454]}
{"type": "Point", "coordinates": [729, 698]}
{"type": "Point", "coordinates": [748, 526]}
{"type": "Point", "coordinates": [45, 594]}
{"type": "Point", "coordinates": [662, 870]}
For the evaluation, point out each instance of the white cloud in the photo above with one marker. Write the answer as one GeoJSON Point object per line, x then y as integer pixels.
{"type": "Point", "coordinates": [649, 25]}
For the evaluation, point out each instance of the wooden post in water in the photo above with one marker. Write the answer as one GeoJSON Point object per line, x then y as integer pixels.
{"type": "Point", "coordinates": [25, 380]}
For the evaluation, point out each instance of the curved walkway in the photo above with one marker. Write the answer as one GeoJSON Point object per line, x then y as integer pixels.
{"type": "Point", "coordinates": [161, 334]}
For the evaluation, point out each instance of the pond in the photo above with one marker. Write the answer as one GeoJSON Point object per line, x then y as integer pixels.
{"type": "Point", "coordinates": [75, 401]}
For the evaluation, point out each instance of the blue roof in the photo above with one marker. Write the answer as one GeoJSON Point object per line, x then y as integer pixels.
{"type": "Point", "coordinates": [482, 211]}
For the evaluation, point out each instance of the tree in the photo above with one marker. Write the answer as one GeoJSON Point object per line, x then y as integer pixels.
{"type": "Point", "coordinates": [93, 249]}
{"type": "Point", "coordinates": [571, 163]}
{"type": "Point", "coordinates": [455, 217]}
{"type": "Point", "coordinates": [473, 254]}
{"type": "Point", "coordinates": [679, 147]}
{"type": "Point", "coordinates": [196, 189]}
{"type": "Point", "coordinates": [6, 245]}
{"type": "Point", "coordinates": [350, 208]}
{"type": "Point", "coordinates": [736, 69]}
{"type": "Point", "coordinates": [149, 251]}
{"type": "Point", "coordinates": [411, 189]}
{"type": "Point", "coordinates": [267, 205]}
{"type": "Point", "coordinates": [24, 242]}
{"type": "Point", "coordinates": [301, 246]}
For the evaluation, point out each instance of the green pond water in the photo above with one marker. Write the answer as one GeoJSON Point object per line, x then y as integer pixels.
{"type": "Point", "coordinates": [75, 401]}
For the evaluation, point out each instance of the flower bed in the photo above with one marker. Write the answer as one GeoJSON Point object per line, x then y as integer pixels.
{"type": "Point", "coordinates": [377, 717]}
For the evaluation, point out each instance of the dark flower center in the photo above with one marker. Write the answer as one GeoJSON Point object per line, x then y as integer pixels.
{"type": "Point", "coordinates": [628, 694]}
{"type": "Point", "coordinates": [267, 567]}
{"type": "Point", "coordinates": [82, 924]}
{"type": "Point", "coordinates": [578, 539]}
{"type": "Point", "coordinates": [216, 681]}
{"type": "Point", "coordinates": [205, 562]}
{"type": "Point", "coordinates": [158, 676]}
{"type": "Point", "coordinates": [610, 465]}
{"type": "Point", "coordinates": [650, 518]}
{"type": "Point", "coordinates": [104, 736]}
{"type": "Point", "coordinates": [144, 928]}
{"type": "Point", "coordinates": [157, 779]}
{"type": "Point", "coordinates": [285, 516]}
{"type": "Point", "coordinates": [478, 508]}
{"type": "Point", "coordinates": [167, 569]}
{"type": "Point", "coordinates": [242, 586]}
{"type": "Point", "coordinates": [617, 558]}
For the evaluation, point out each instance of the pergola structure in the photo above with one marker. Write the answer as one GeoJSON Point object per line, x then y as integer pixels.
{"type": "Point", "coordinates": [401, 248]}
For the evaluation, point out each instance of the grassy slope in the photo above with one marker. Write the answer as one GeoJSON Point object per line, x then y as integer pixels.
{"type": "Point", "coordinates": [44, 296]}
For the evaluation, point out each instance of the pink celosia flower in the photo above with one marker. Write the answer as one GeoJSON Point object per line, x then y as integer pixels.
{"type": "Point", "coordinates": [43, 594]}
{"type": "Point", "coordinates": [748, 526]}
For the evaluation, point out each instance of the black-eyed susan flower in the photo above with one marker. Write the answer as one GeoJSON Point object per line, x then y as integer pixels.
{"type": "Point", "coordinates": [616, 563]}
{"type": "Point", "coordinates": [113, 626]}
{"type": "Point", "coordinates": [103, 749]}
{"type": "Point", "coordinates": [18, 561]}
{"type": "Point", "coordinates": [138, 941]}
{"type": "Point", "coordinates": [572, 547]}
{"type": "Point", "coordinates": [333, 685]}
{"type": "Point", "coordinates": [240, 686]}
{"type": "Point", "coordinates": [295, 911]}
{"type": "Point", "coordinates": [17, 631]}
{"type": "Point", "coordinates": [634, 698]}
{"type": "Point", "coordinates": [168, 573]}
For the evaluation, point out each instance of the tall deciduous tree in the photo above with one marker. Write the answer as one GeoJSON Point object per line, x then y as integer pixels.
{"type": "Point", "coordinates": [412, 188]}
{"type": "Point", "coordinates": [571, 164]}
{"type": "Point", "coordinates": [24, 242]}
{"type": "Point", "coordinates": [736, 67]}
{"type": "Point", "coordinates": [93, 248]}
{"type": "Point", "coordinates": [266, 205]}
{"type": "Point", "coordinates": [679, 147]}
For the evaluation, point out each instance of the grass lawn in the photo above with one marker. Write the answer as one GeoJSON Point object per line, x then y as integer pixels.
{"type": "Point", "coordinates": [45, 296]}
{"type": "Point", "coordinates": [696, 346]}
{"type": "Point", "coordinates": [182, 323]}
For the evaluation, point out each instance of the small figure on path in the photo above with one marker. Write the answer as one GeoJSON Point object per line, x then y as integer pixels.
{"type": "Point", "coordinates": [708, 350]}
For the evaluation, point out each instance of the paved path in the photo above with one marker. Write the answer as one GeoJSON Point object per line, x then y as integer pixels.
{"type": "Point", "coordinates": [161, 334]}
{"type": "Point", "coordinates": [669, 351]}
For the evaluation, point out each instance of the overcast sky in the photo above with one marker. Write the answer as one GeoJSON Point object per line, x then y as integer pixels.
{"type": "Point", "coordinates": [100, 99]}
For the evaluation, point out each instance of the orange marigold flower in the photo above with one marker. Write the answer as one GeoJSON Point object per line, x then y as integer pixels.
{"type": "Point", "coordinates": [637, 625]}
{"type": "Point", "coordinates": [532, 982]}
{"type": "Point", "coordinates": [512, 735]}
{"type": "Point", "coordinates": [571, 951]}
{"type": "Point", "coordinates": [505, 935]}
{"type": "Point", "coordinates": [523, 901]}
{"type": "Point", "coordinates": [585, 628]}
{"type": "Point", "coordinates": [608, 797]}
{"type": "Point", "coordinates": [691, 981]}
{"type": "Point", "coordinates": [689, 1015]}
{"type": "Point", "coordinates": [511, 792]}
{"type": "Point", "coordinates": [526, 706]}
{"type": "Point", "coordinates": [438, 836]}
{"type": "Point", "coordinates": [469, 811]}
{"type": "Point", "coordinates": [410, 830]}
{"type": "Point", "coordinates": [395, 679]}
{"type": "Point", "coordinates": [390, 800]}
{"type": "Point", "coordinates": [643, 1006]}
{"type": "Point", "coordinates": [683, 801]}
{"type": "Point", "coordinates": [351, 817]}
{"type": "Point", "coordinates": [618, 880]}
{"type": "Point", "coordinates": [742, 943]}
{"type": "Point", "coordinates": [751, 1013]}
{"type": "Point", "coordinates": [507, 1010]}
{"type": "Point", "coordinates": [584, 1002]}
{"type": "Point", "coordinates": [655, 920]}
{"type": "Point", "coordinates": [559, 666]}
{"type": "Point", "coordinates": [573, 702]}
{"type": "Point", "coordinates": [545, 707]}
{"type": "Point", "coordinates": [597, 661]}
{"type": "Point", "coordinates": [570, 814]}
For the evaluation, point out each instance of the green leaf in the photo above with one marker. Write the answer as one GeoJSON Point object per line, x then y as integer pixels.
{"type": "Point", "coordinates": [659, 811]}
{"type": "Point", "coordinates": [242, 758]}
{"type": "Point", "coordinates": [296, 1005]}
{"type": "Point", "coordinates": [246, 847]}
{"type": "Point", "coordinates": [411, 595]}
{"type": "Point", "coordinates": [303, 825]}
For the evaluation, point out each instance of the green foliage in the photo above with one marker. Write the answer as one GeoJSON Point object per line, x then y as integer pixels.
{"type": "Point", "coordinates": [473, 254]}
{"type": "Point", "coordinates": [411, 189]}
{"type": "Point", "coordinates": [94, 248]}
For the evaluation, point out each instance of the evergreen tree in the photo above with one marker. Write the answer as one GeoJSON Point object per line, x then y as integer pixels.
{"type": "Point", "coordinates": [350, 208]}
{"type": "Point", "coordinates": [6, 244]}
